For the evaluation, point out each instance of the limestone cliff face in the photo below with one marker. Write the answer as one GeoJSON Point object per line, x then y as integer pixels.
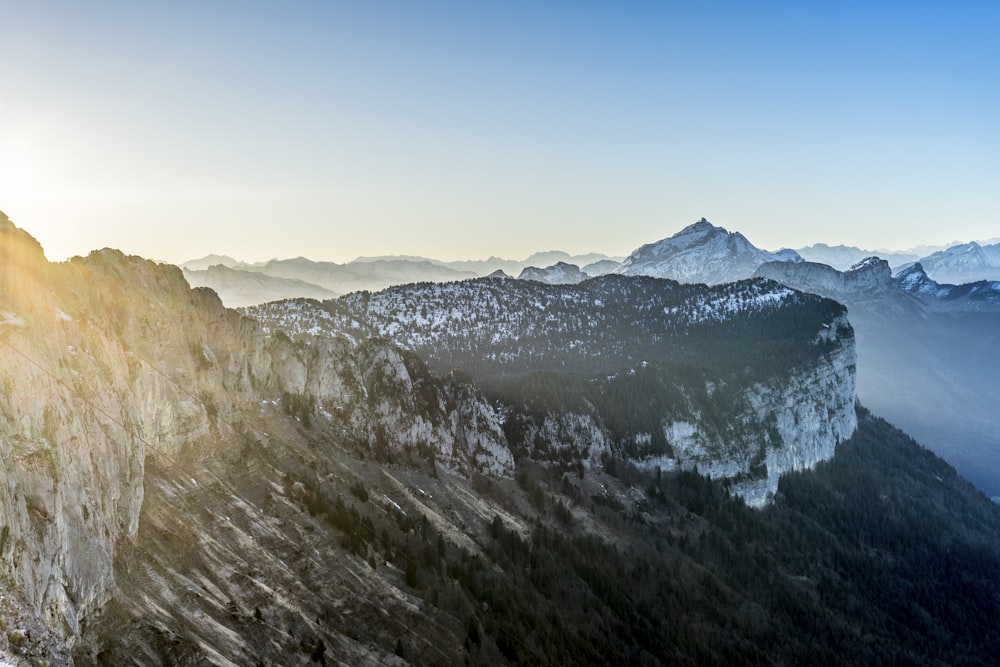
{"type": "Point", "coordinates": [812, 413]}
{"type": "Point", "coordinates": [785, 424]}
{"type": "Point", "coordinates": [870, 276]}
{"type": "Point", "coordinates": [109, 362]}
{"type": "Point", "coordinates": [97, 375]}
{"type": "Point", "coordinates": [799, 405]}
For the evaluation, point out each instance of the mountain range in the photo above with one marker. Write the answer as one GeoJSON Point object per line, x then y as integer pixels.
{"type": "Point", "coordinates": [700, 252]}
{"type": "Point", "coordinates": [249, 284]}
{"type": "Point", "coordinates": [625, 470]}
{"type": "Point", "coordinates": [898, 319]}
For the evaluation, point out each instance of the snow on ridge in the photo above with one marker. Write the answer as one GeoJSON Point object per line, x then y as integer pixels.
{"type": "Point", "coordinates": [428, 316]}
{"type": "Point", "coordinates": [865, 263]}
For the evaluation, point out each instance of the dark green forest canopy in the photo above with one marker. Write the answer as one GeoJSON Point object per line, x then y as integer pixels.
{"type": "Point", "coordinates": [501, 328]}
{"type": "Point", "coordinates": [880, 556]}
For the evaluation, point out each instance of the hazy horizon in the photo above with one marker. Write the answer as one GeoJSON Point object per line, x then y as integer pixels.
{"type": "Point", "coordinates": [457, 131]}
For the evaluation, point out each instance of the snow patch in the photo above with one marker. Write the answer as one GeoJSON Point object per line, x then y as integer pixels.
{"type": "Point", "coordinates": [11, 319]}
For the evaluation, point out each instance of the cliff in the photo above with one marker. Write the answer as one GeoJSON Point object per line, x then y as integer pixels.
{"type": "Point", "coordinates": [184, 485]}
{"type": "Point", "coordinates": [775, 393]}
{"type": "Point", "coordinates": [111, 364]}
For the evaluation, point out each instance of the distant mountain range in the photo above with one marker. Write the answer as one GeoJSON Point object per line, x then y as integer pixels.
{"type": "Point", "coordinates": [966, 263]}
{"type": "Point", "coordinates": [248, 284]}
{"type": "Point", "coordinates": [239, 287]}
{"type": "Point", "coordinates": [699, 253]}
{"type": "Point", "coordinates": [842, 257]}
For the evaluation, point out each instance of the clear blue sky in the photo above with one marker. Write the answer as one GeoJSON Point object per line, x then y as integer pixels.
{"type": "Point", "coordinates": [468, 129]}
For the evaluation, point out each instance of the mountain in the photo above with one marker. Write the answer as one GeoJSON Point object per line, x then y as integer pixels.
{"type": "Point", "coordinates": [701, 253]}
{"type": "Point", "coordinates": [601, 267]}
{"type": "Point", "coordinates": [966, 263]}
{"type": "Point", "coordinates": [247, 288]}
{"type": "Point", "coordinates": [559, 273]}
{"type": "Point", "coordinates": [870, 276]}
{"type": "Point", "coordinates": [484, 267]}
{"type": "Point", "coordinates": [209, 261]}
{"type": "Point", "coordinates": [551, 257]}
{"type": "Point", "coordinates": [618, 354]}
{"type": "Point", "coordinates": [357, 276]}
{"type": "Point", "coordinates": [927, 355]}
{"type": "Point", "coordinates": [842, 257]}
{"type": "Point", "coordinates": [181, 486]}
{"type": "Point", "coordinates": [981, 295]}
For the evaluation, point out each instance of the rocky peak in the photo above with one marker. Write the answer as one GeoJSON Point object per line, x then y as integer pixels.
{"type": "Point", "coordinates": [914, 279]}
{"type": "Point", "coordinates": [701, 252]}
{"type": "Point", "coordinates": [870, 274]}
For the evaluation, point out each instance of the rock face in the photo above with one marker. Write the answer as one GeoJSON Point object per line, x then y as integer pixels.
{"type": "Point", "coordinates": [869, 276]}
{"type": "Point", "coordinates": [109, 364]}
{"type": "Point", "coordinates": [771, 428]}
{"type": "Point", "coordinates": [785, 423]}
{"type": "Point", "coordinates": [532, 343]}
{"type": "Point", "coordinates": [701, 253]}
{"type": "Point", "coordinates": [948, 400]}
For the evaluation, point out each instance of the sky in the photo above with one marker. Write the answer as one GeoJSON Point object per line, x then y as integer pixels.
{"type": "Point", "coordinates": [461, 130]}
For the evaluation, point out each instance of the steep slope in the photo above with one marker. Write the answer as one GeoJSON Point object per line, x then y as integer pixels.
{"type": "Point", "coordinates": [777, 363]}
{"type": "Point", "coordinates": [119, 384]}
{"type": "Point", "coordinates": [190, 490]}
{"type": "Point", "coordinates": [701, 253]}
{"type": "Point", "coordinates": [927, 356]}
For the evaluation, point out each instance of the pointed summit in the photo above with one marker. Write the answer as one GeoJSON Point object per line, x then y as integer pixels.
{"type": "Point", "coordinates": [701, 253]}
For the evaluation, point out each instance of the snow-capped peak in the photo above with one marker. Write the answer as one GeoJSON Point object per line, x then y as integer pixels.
{"type": "Point", "coordinates": [701, 252]}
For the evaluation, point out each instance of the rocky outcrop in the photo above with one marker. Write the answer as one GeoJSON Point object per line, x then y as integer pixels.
{"type": "Point", "coordinates": [109, 363]}
{"type": "Point", "coordinates": [500, 332]}
{"type": "Point", "coordinates": [768, 430]}
{"type": "Point", "coordinates": [869, 276]}
{"type": "Point", "coordinates": [780, 426]}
